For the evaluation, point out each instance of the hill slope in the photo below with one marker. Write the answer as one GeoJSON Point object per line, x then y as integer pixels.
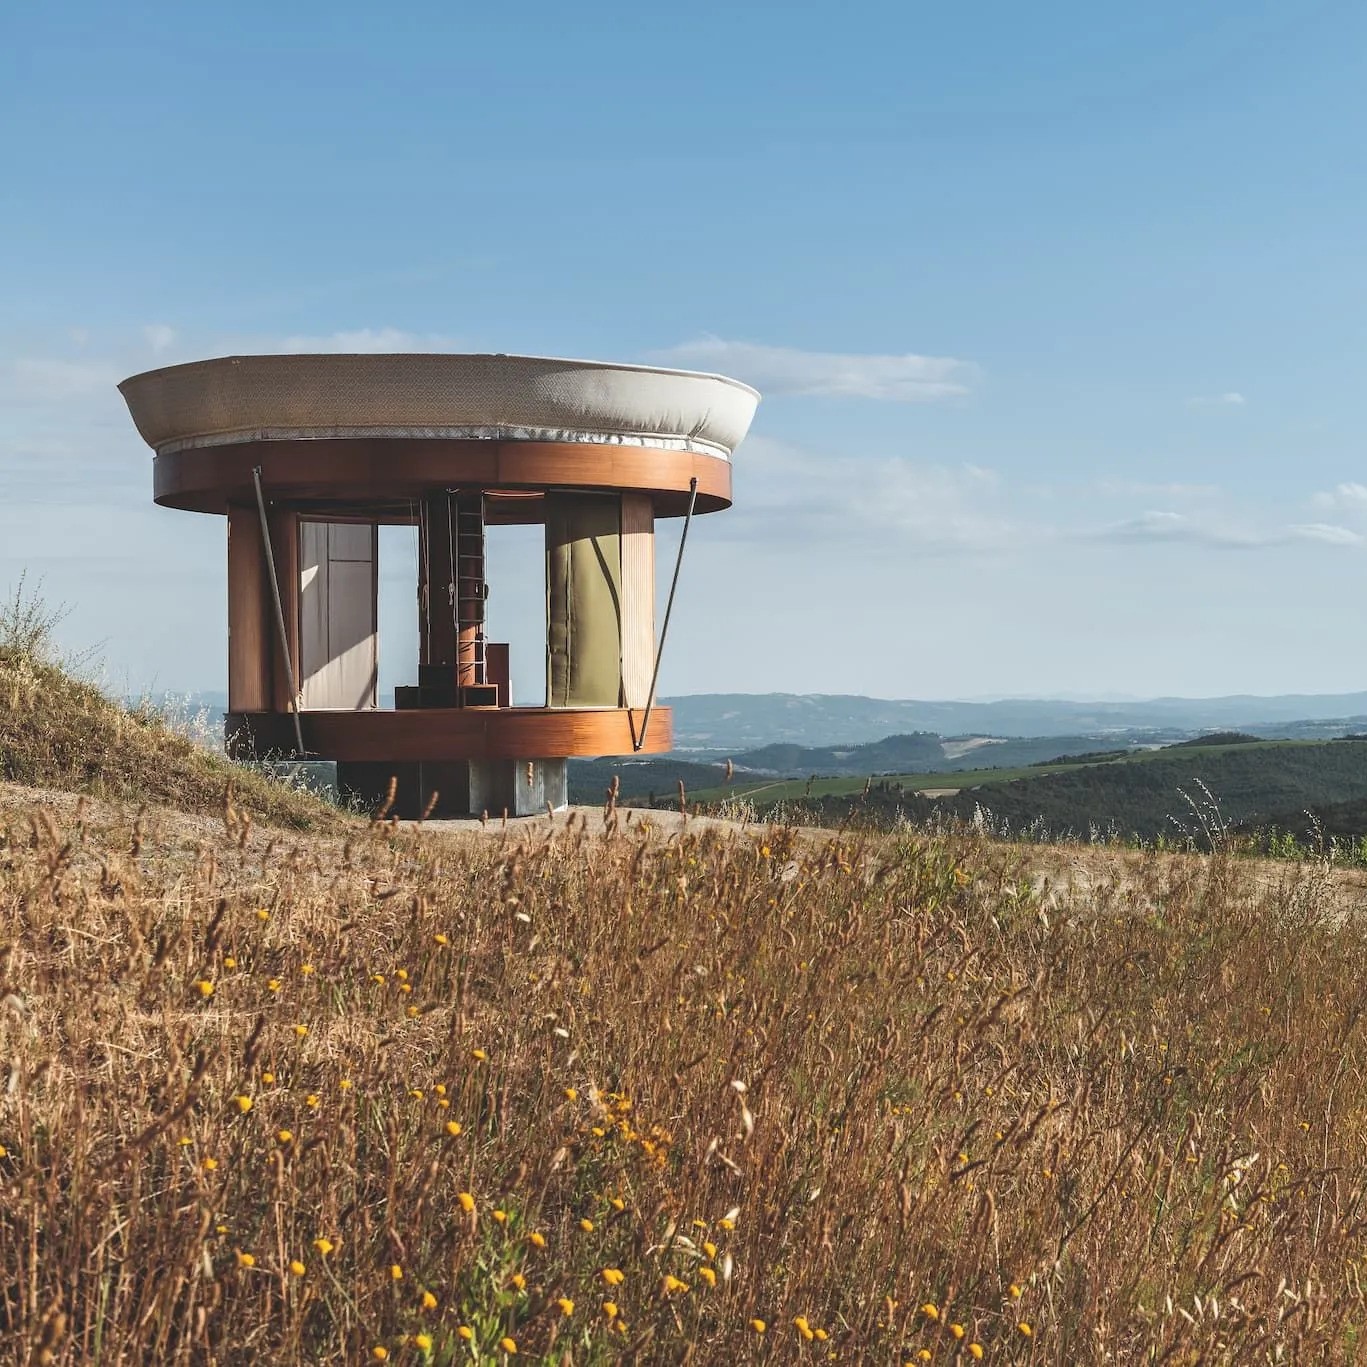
{"type": "Point", "coordinates": [633, 1099]}
{"type": "Point", "coordinates": [58, 732]}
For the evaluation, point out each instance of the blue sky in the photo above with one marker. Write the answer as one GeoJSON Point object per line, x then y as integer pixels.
{"type": "Point", "coordinates": [1058, 310]}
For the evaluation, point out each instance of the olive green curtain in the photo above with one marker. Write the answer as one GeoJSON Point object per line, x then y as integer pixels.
{"type": "Point", "coordinates": [584, 600]}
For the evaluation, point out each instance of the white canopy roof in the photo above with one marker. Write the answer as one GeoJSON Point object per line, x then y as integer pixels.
{"type": "Point", "coordinates": [528, 398]}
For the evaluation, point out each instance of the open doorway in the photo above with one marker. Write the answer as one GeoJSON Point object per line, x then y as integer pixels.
{"type": "Point", "coordinates": [398, 610]}
{"type": "Point", "coordinates": [515, 570]}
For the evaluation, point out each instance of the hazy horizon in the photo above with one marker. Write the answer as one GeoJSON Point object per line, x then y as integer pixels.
{"type": "Point", "coordinates": [1055, 312]}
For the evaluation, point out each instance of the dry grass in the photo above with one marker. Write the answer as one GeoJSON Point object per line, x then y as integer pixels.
{"type": "Point", "coordinates": [59, 731]}
{"type": "Point", "coordinates": [871, 1096]}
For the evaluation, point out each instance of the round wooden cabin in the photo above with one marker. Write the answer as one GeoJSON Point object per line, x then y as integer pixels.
{"type": "Point", "coordinates": [307, 456]}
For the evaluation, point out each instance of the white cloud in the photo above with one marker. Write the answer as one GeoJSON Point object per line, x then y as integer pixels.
{"type": "Point", "coordinates": [386, 339]}
{"type": "Point", "coordinates": [1229, 399]}
{"type": "Point", "coordinates": [159, 336]}
{"type": "Point", "coordinates": [1167, 526]}
{"type": "Point", "coordinates": [792, 495]}
{"type": "Point", "coordinates": [1328, 532]}
{"type": "Point", "coordinates": [1350, 496]}
{"type": "Point", "coordinates": [778, 370]}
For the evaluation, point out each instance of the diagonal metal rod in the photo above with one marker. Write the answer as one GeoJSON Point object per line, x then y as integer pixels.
{"type": "Point", "coordinates": [279, 612]}
{"type": "Point", "coordinates": [669, 607]}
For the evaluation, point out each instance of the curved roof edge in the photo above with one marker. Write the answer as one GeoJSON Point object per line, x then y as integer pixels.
{"type": "Point", "coordinates": [421, 394]}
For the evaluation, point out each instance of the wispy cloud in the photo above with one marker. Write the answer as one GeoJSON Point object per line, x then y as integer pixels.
{"type": "Point", "coordinates": [1349, 497]}
{"type": "Point", "coordinates": [1328, 532]}
{"type": "Point", "coordinates": [776, 370]}
{"type": "Point", "coordinates": [793, 495]}
{"type": "Point", "coordinates": [1167, 526]}
{"type": "Point", "coordinates": [159, 336]}
{"type": "Point", "coordinates": [1231, 398]}
{"type": "Point", "coordinates": [385, 339]}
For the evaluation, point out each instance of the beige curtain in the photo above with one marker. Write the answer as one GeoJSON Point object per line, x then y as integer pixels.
{"type": "Point", "coordinates": [584, 607]}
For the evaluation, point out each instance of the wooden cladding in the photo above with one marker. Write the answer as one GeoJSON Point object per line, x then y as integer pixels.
{"type": "Point", "coordinates": [251, 616]}
{"type": "Point", "coordinates": [452, 733]}
{"type": "Point", "coordinates": [367, 474]}
{"type": "Point", "coordinates": [638, 598]}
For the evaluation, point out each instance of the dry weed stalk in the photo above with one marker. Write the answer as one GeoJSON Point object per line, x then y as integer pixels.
{"type": "Point", "coordinates": [731, 1097]}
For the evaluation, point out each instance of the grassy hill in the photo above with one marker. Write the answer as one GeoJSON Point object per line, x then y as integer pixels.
{"type": "Point", "coordinates": [389, 1095]}
{"type": "Point", "coordinates": [364, 1094]}
{"type": "Point", "coordinates": [58, 731]}
{"type": "Point", "coordinates": [1233, 781]}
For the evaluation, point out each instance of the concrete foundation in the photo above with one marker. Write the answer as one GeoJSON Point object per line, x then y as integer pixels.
{"type": "Point", "coordinates": [462, 788]}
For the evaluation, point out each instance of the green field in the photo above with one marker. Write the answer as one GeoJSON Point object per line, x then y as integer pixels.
{"type": "Point", "coordinates": [786, 790]}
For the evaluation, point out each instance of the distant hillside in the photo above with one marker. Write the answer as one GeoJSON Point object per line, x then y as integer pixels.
{"type": "Point", "coordinates": [1255, 784]}
{"type": "Point", "coordinates": [736, 721]}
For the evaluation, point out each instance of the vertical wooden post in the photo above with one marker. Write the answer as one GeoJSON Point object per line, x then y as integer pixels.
{"type": "Point", "coordinates": [251, 634]}
{"type": "Point", "coordinates": [284, 525]}
{"type": "Point", "coordinates": [638, 598]}
{"type": "Point", "coordinates": [436, 582]}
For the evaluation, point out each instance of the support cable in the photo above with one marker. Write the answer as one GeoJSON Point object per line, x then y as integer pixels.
{"type": "Point", "coordinates": [669, 607]}
{"type": "Point", "coordinates": [279, 613]}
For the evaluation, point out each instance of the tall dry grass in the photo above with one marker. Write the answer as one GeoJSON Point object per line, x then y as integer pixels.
{"type": "Point", "coordinates": [719, 1098]}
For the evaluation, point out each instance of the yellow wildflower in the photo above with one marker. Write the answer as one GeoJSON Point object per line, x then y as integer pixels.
{"type": "Point", "coordinates": [243, 1103]}
{"type": "Point", "coordinates": [297, 1267]}
{"type": "Point", "coordinates": [571, 1094]}
{"type": "Point", "coordinates": [975, 1350]}
{"type": "Point", "coordinates": [708, 1275]}
{"type": "Point", "coordinates": [508, 1345]}
{"type": "Point", "coordinates": [379, 1352]}
{"type": "Point", "coordinates": [671, 1283]}
{"type": "Point", "coordinates": [617, 1203]}
{"type": "Point", "coordinates": [501, 1216]}
{"type": "Point", "coordinates": [439, 1088]}
{"type": "Point", "coordinates": [1025, 1329]}
{"type": "Point", "coordinates": [311, 1101]}
{"type": "Point", "coordinates": [305, 969]}
{"type": "Point", "coordinates": [441, 939]}
{"type": "Point", "coordinates": [285, 1136]}
{"type": "Point", "coordinates": [429, 1301]}
{"type": "Point", "coordinates": [758, 1326]}
{"type": "Point", "coordinates": [931, 1312]}
{"type": "Point", "coordinates": [206, 988]}
{"type": "Point", "coordinates": [396, 1272]}
{"type": "Point", "coordinates": [465, 1332]}
{"type": "Point", "coordinates": [301, 1030]}
{"type": "Point", "coordinates": [273, 985]}
{"type": "Point", "coordinates": [324, 1246]}
{"type": "Point", "coordinates": [262, 914]}
{"type": "Point", "coordinates": [803, 1328]}
{"type": "Point", "coordinates": [229, 962]}
{"type": "Point", "coordinates": [245, 1259]}
{"type": "Point", "coordinates": [586, 1225]}
{"type": "Point", "coordinates": [1015, 1291]}
{"type": "Point", "coordinates": [208, 1165]}
{"type": "Point", "coordinates": [423, 1342]}
{"type": "Point", "coordinates": [957, 1330]}
{"type": "Point", "coordinates": [453, 1128]}
{"type": "Point", "coordinates": [519, 1281]}
{"type": "Point", "coordinates": [537, 1239]}
{"type": "Point", "coordinates": [566, 1305]}
{"type": "Point", "coordinates": [709, 1248]}
{"type": "Point", "coordinates": [478, 1055]}
{"type": "Point", "coordinates": [467, 1202]}
{"type": "Point", "coordinates": [613, 1276]}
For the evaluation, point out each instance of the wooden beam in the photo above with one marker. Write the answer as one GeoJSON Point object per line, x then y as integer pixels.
{"type": "Point", "coordinates": [251, 625]}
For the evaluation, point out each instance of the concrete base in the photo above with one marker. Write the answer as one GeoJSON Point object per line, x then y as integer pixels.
{"type": "Point", "coordinates": [462, 787]}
